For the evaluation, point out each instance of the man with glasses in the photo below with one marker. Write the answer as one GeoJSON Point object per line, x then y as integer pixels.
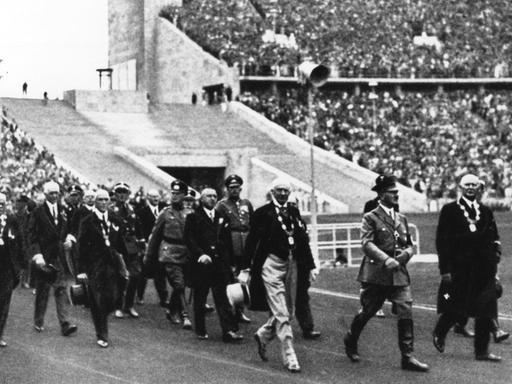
{"type": "Point", "coordinates": [383, 274]}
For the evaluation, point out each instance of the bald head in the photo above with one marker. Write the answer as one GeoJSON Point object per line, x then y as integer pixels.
{"type": "Point", "coordinates": [51, 191]}
{"type": "Point", "coordinates": [102, 200]}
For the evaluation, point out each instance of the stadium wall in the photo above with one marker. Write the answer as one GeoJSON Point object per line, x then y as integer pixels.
{"type": "Point", "coordinates": [181, 67]}
{"type": "Point", "coordinates": [107, 101]}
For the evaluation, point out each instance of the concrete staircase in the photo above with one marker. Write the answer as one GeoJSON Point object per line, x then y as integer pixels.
{"type": "Point", "coordinates": [76, 141]}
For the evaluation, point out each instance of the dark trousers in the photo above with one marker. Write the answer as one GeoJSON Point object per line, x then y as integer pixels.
{"type": "Point", "coordinates": [302, 307]}
{"type": "Point", "coordinates": [175, 274]}
{"type": "Point", "coordinates": [99, 317]}
{"type": "Point", "coordinates": [6, 287]}
{"type": "Point", "coordinates": [61, 300]}
{"type": "Point", "coordinates": [372, 298]}
{"type": "Point", "coordinates": [160, 285]}
{"type": "Point", "coordinates": [483, 328]}
{"type": "Point", "coordinates": [128, 288]}
{"type": "Point", "coordinates": [226, 317]}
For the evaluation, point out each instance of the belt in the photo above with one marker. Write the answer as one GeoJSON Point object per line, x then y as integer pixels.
{"type": "Point", "coordinates": [173, 241]}
{"type": "Point", "coordinates": [237, 231]}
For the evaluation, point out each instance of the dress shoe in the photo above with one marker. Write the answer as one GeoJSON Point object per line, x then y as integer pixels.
{"type": "Point", "coordinates": [39, 328]}
{"type": "Point", "coordinates": [102, 343]}
{"type": "Point", "coordinates": [438, 342]}
{"type": "Point", "coordinates": [292, 364]}
{"type": "Point", "coordinates": [460, 330]}
{"type": "Point", "coordinates": [311, 335]}
{"type": "Point", "coordinates": [243, 319]}
{"type": "Point", "coordinates": [119, 314]}
{"type": "Point", "coordinates": [68, 329]}
{"type": "Point", "coordinates": [488, 357]}
{"type": "Point", "coordinates": [174, 318]}
{"type": "Point", "coordinates": [132, 313]}
{"type": "Point", "coordinates": [409, 363]}
{"type": "Point", "coordinates": [500, 336]}
{"type": "Point", "coordinates": [351, 349]}
{"type": "Point", "coordinates": [231, 337]}
{"type": "Point", "coordinates": [380, 314]}
{"type": "Point", "coordinates": [262, 347]}
{"type": "Point", "coordinates": [3, 344]}
{"type": "Point", "coordinates": [187, 324]}
{"type": "Point", "coordinates": [203, 336]}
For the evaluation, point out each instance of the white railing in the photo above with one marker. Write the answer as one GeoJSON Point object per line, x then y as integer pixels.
{"type": "Point", "coordinates": [341, 241]}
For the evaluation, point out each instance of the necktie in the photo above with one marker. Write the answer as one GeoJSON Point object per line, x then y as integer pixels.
{"type": "Point", "coordinates": [471, 211]}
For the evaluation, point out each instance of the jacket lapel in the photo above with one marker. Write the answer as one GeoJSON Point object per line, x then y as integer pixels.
{"type": "Point", "coordinates": [383, 215]}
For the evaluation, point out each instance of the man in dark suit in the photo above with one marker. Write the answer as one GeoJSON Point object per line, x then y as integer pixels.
{"type": "Point", "coordinates": [45, 236]}
{"type": "Point", "coordinates": [276, 245]}
{"type": "Point", "coordinates": [469, 251]}
{"type": "Point", "coordinates": [11, 261]}
{"type": "Point", "coordinates": [147, 216]}
{"type": "Point", "coordinates": [208, 242]}
{"type": "Point", "coordinates": [100, 262]}
{"type": "Point", "coordinates": [383, 274]}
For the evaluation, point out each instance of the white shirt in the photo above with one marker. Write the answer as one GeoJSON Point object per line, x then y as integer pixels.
{"type": "Point", "coordinates": [210, 213]}
{"type": "Point", "coordinates": [154, 209]}
{"type": "Point", "coordinates": [470, 203]}
{"type": "Point", "coordinates": [103, 216]}
{"type": "Point", "coordinates": [53, 209]}
{"type": "Point", "coordinates": [389, 211]}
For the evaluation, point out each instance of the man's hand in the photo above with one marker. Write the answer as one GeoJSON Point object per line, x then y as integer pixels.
{"type": "Point", "coordinates": [204, 259]}
{"type": "Point", "coordinates": [39, 260]}
{"type": "Point", "coordinates": [313, 274]}
{"type": "Point", "coordinates": [82, 277]}
{"type": "Point", "coordinates": [402, 257]}
{"type": "Point", "coordinates": [447, 277]}
{"type": "Point", "coordinates": [391, 264]}
{"type": "Point", "coordinates": [244, 277]}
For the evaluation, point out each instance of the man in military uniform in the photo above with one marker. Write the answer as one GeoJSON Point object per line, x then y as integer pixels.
{"type": "Point", "coordinates": [147, 218]}
{"type": "Point", "coordinates": [238, 212]}
{"type": "Point", "coordinates": [167, 246]}
{"type": "Point", "coordinates": [134, 242]}
{"type": "Point", "coordinates": [383, 274]}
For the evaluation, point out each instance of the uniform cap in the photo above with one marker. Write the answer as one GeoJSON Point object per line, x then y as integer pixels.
{"type": "Point", "coordinates": [233, 181]}
{"type": "Point", "coordinates": [75, 188]}
{"type": "Point", "coordinates": [179, 186]}
{"type": "Point", "coordinates": [121, 188]}
{"type": "Point", "coordinates": [191, 195]}
{"type": "Point", "coordinates": [384, 183]}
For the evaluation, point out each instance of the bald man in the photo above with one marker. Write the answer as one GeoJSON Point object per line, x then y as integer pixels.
{"type": "Point", "coordinates": [469, 251]}
{"type": "Point", "coordinates": [45, 236]}
{"type": "Point", "coordinates": [209, 243]}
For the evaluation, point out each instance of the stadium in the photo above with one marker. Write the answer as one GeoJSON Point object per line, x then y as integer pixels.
{"type": "Point", "coordinates": [197, 90]}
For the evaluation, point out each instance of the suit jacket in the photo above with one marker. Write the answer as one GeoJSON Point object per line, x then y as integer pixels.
{"type": "Point", "coordinates": [470, 257]}
{"type": "Point", "coordinates": [101, 260]}
{"type": "Point", "coordinates": [11, 252]}
{"type": "Point", "coordinates": [146, 220]}
{"type": "Point", "coordinates": [74, 221]}
{"type": "Point", "coordinates": [206, 237]}
{"type": "Point", "coordinates": [46, 237]}
{"type": "Point", "coordinates": [265, 236]}
{"type": "Point", "coordinates": [381, 237]}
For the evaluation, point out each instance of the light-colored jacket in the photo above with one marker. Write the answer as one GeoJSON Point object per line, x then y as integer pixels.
{"type": "Point", "coordinates": [381, 238]}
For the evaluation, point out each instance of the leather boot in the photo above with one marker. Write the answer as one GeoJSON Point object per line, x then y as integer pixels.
{"type": "Point", "coordinates": [406, 344]}
{"type": "Point", "coordinates": [352, 337]}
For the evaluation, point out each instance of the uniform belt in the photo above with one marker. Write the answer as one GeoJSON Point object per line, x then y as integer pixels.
{"type": "Point", "coordinates": [174, 241]}
{"type": "Point", "coordinates": [239, 231]}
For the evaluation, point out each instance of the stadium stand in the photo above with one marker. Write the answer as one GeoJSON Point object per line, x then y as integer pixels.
{"type": "Point", "coordinates": [397, 38]}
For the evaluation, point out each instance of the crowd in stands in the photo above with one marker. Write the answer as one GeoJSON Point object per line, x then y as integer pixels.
{"type": "Point", "coordinates": [25, 166]}
{"type": "Point", "coordinates": [426, 140]}
{"type": "Point", "coordinates": [469, 38]}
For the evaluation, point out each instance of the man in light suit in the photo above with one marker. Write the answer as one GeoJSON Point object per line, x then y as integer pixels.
{"type": "Point", "coordinates": [45, 236]}
{"type": "Point", "coordinates": [383, 274]}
